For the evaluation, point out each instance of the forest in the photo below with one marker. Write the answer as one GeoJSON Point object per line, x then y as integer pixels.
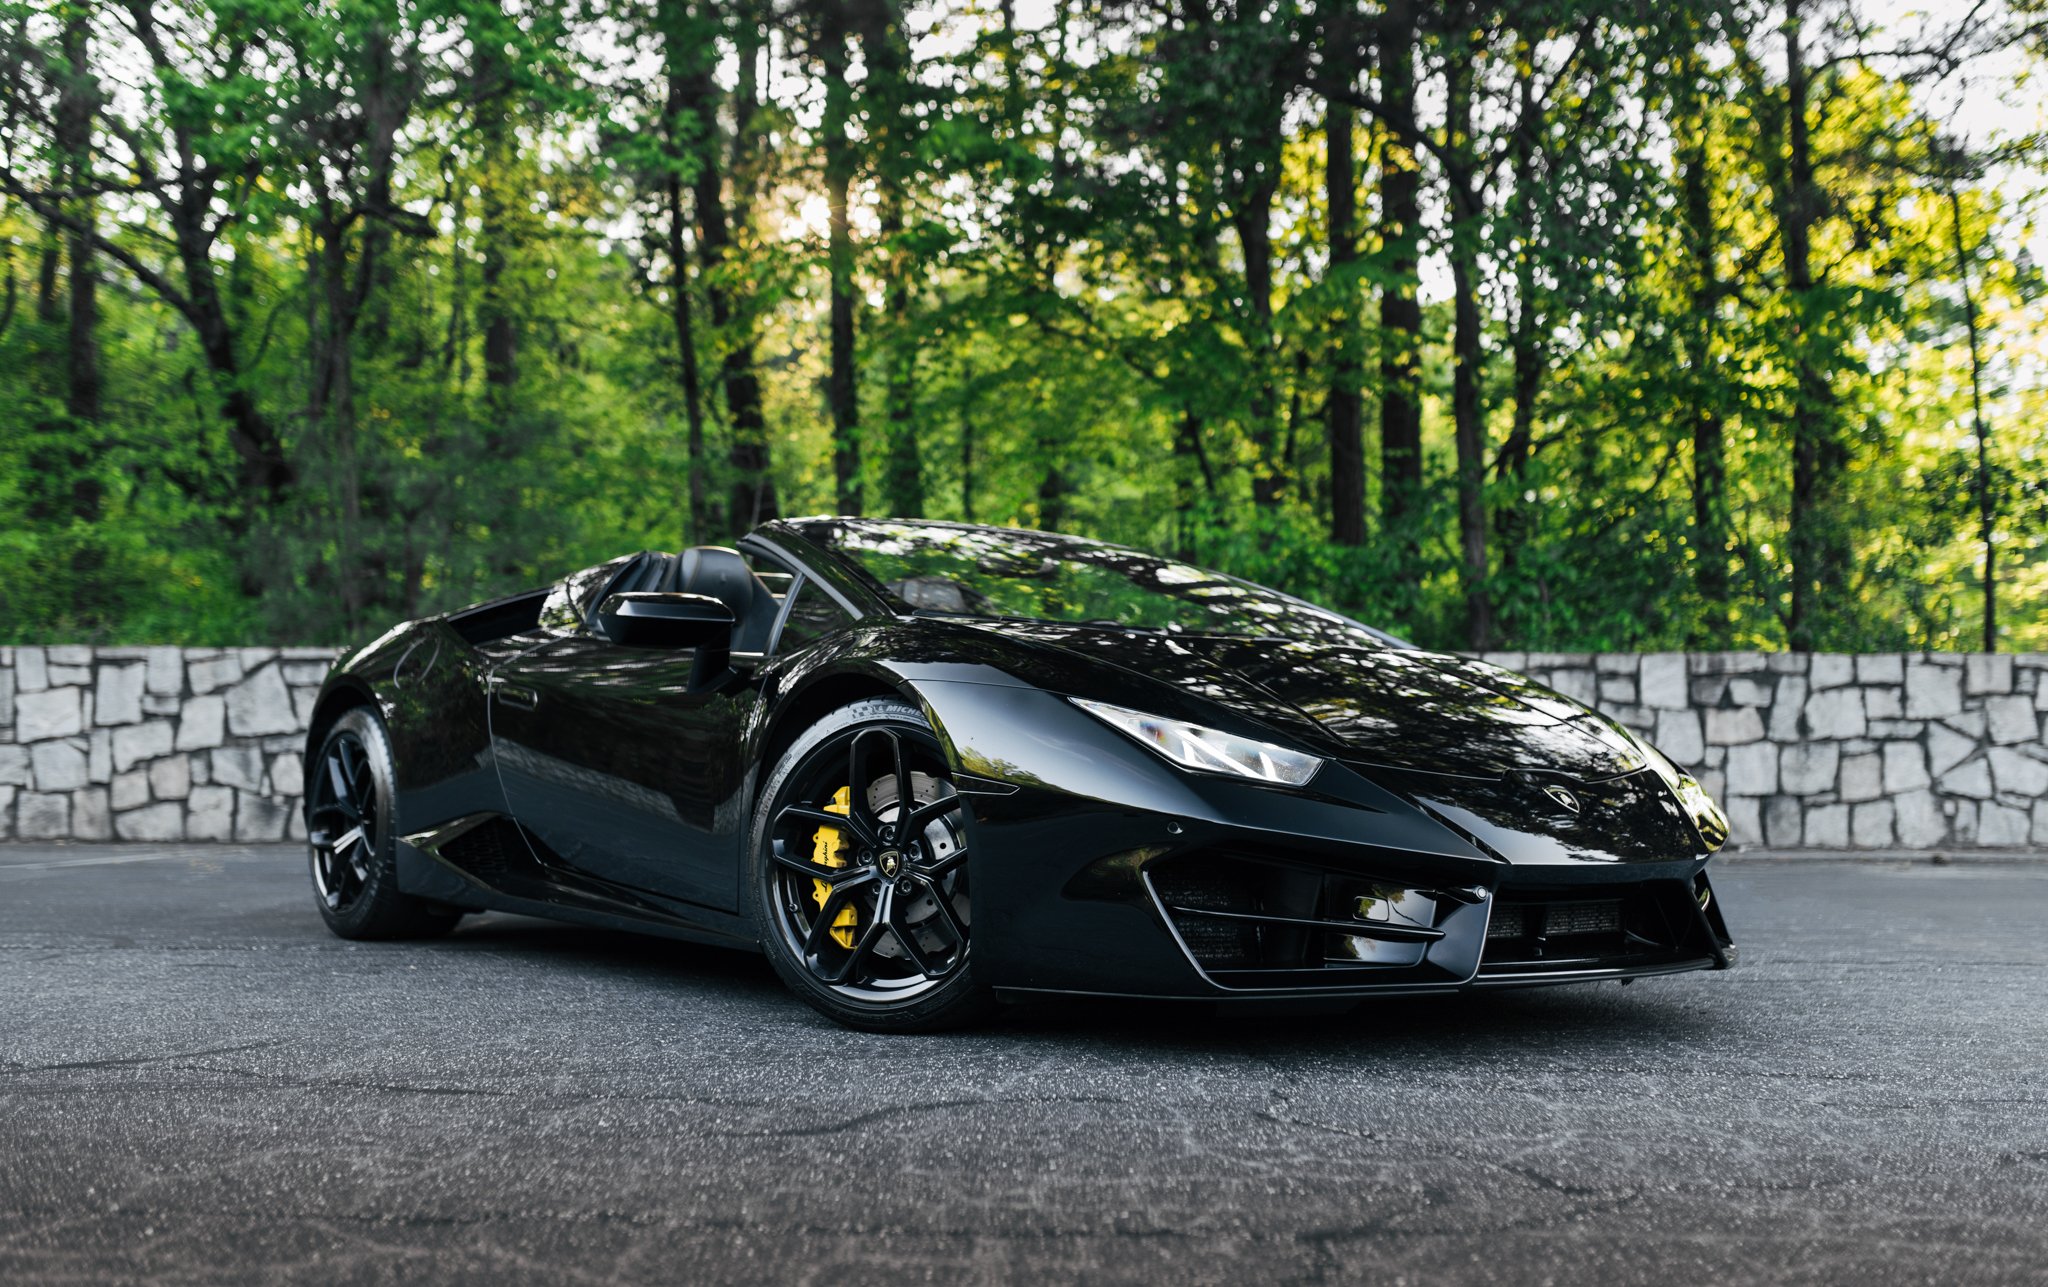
{"type": "Point", "coordinates": [1496, 323]}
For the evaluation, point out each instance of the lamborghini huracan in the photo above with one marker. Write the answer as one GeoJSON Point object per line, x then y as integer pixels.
{"type": "Point", "coordinates": [929, 768]}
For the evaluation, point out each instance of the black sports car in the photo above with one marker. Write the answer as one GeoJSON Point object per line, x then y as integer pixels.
{"type": "Point", "coordinates": [928, 766]}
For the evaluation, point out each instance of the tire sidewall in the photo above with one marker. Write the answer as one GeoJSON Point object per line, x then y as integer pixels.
{"type": "Point", "coordinates": [958, 999]}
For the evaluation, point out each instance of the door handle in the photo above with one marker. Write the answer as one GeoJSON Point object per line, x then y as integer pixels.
{"type": "Point", "coordinates": [518, 696]}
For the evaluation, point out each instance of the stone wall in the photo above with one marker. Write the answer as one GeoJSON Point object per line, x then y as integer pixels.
{"type": "Point", "coordinates": [1916, 751]}
{"type": "Point", "coordinates": [1822, 752]}
{"type": "Point", "coordinates": [154, 743]}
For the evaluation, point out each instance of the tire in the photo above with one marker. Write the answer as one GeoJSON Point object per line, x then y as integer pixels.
{"type": "Point", "coordinates": [352, 830]}
{"type": "Point", "coordinates": [872, 935]}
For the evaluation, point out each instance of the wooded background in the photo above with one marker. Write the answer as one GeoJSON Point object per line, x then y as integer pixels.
{"type": "Point", "coordinates": [1548, 325]}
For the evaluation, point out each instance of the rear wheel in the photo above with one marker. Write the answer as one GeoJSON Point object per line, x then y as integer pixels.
{"type": "Point", "coordinates": [858, 873]}
{"type": "Point", "coordinates": [352, 832]}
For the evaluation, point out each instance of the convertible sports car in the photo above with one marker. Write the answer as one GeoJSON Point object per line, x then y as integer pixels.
{"type": "Point", "coordinates": [927, 767]}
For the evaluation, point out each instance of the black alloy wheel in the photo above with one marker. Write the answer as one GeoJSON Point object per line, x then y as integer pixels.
{"type": "Point", "coordinates": [860, 873]}
{"type": "Point", "coordinates": [352, 835]}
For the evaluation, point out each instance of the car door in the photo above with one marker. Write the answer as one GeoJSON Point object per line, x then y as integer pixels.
{"type": "Point", "coordinates": [621, 768]}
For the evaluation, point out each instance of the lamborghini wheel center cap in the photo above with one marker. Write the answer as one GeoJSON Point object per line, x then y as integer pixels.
{"type": "Point", "coordinates": [890, 861]}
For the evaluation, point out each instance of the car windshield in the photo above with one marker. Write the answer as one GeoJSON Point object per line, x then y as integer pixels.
{"type": "Point", "coordinates": [941, 570]}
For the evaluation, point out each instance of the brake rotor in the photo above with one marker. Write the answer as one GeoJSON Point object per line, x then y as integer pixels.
{"type": "Point", "coordinates": [941, 839]}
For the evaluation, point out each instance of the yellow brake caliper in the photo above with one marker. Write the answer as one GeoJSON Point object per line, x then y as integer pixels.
{"type": "Point", "coordinates": [829, 850]}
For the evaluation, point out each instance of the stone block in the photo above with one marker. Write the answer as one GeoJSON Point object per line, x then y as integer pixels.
{"type": "Point", "coordinates": [1947, 748]}
{"type": "Point", "coordinates": [159, 704]}
{"type": "Point", "coordinates": [1831, 670]}
{"type": "Point", "coordinates": [1896, 730]}
{"type": "Point", "coordinates": [7, 794]}
{"type": "Point", "coordinates": [166, 675]}
{"type": "Point", "coordinates": [1726, 663]}
{"type": "Point", "coordinates": [1745, 690]}
{"type": "Point", "coordinates": [1745, 821]}
{"type": "Point", "coordinates": [1579, 685]}
{"type": "Point", "coordinates": [78, 676]}
{"type": "Point", "coordinates": [1827, 826]}
{"type": "Point", "coordinates": [296, 828]}
{"type": "Point", "coordinates": [99, 756]}
{"type": "Point", "coordinates": [1713, 782]}
{"type": "Point", "coordinates": [1881, 668]}
{"type": "Point", "coordinates": [1678, 736]}
{"type": "Point", "coordinates": [31, 670]}
{"type": "Point", "coordinates": [1987, 673]}
{"type": "Point", "coordinates": [130, 790]}
{"type": "Point", "coordinates": [59, 766]}
{"type": "Point", "coordinates": [91, 819]}
{"type": "Point", "coordinates": [6, 696]}
{"type": "Point", "coordinates": [117, 698]}
{"type": "Point", "coordinates": [151, 822]}
{"type": "Point", "coordinates": [14, 765]}
{"type": "Point", "coordinates": [203, 725]}
{"type": "Point", "coordinates": [1971, 778]}
{"type": "Point", "coordinates": [1786, 711]}
{"type": "Point", "coordinates": [287, 775]}
{"type": "Point", "coordinates": [210, 813]}
{"type": "Point", "coordinates": [2011, 719]}
{"type": "Point", "coordinates": [1708, 690]}
{"type": "Point", "coordinates": [138, 742]}
{"type": "Point", "coordinates": [261, 704]}
{"type": "Point", "coordinates": [259, 817]}
{"type": "Point", "coordinates": [311, 674]}
{"type": "Point", "coordinates": [1999, 826]}
{"type": "Point", "coordinates": [42, 816]}
{"type": "Point", "coordinates": [304, 701]}
{"type": "Point", "coordinates": [2040, 821]}
{"type": "Point", "coordinates": [1862, 778]}
{"type": "Point", "coordinates": [213, 672]}
{"type": "Point", "coordinates": [1732, 726]}
{"type": "Point", "coordinates": [1617, 663]}
{"type": "Point", "coordinates": [1782, 822]}
{"type": "Point", "coordinates": [1884, 703]}
{"type": "Point", "coordinates": [170, 778]}
{"type": "Point", "coordinates": [238, 766]}
{"type": "Point", "coordinates": [1932, 690]}
{"type": "Point", "coordinates": [1620, 690]}
{"type": "Point", "coordinates": [1835, 714]}
{"type": "Point", "coordinates": [2016, 773]}
{"type": "Point", "coordinates": [1870, 825]}
{"type": "Point", "coordinates": [1753, 769]}
{"type": "Point", "coordinates": [1905, 767]}
{"type": "Point", "coordinates": [1921, 823]}
{"type": "Point", "coordinates": [1808, 768]}
{"type": "Point", "coordinates": [1786, 663]}
{"type": "Point", "coordinates": [49, 712]}
{"type": "Point", "coordinates": [69, 654]}
{"type": "Point", "coordinates": [1664, 683]}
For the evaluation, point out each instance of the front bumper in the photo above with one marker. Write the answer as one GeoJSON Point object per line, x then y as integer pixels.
{"type": "Point", "coordinates": [1099, 869]}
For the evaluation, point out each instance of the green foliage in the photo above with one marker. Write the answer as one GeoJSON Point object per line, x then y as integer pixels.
{"type": "Point", "coordinates": [449, 248]}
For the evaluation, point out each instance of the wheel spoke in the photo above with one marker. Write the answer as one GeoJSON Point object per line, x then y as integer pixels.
{"type": "Point", "coordinates": [938, 867]}
{"type": "Point", "coordinates": [856, 788]}
{"type": "Point", "coordinates": [925, 814]}
{"type": "Point", "coordinates": [865, 944]}
{"type": "Point", "coordinates": [906, 934]}
{"type": "Point", "coordinates": [905, 797]}
{"type": "Point", "coordinates": [951, 917]}
{"type": "Point", "coordinates": [825, 818]}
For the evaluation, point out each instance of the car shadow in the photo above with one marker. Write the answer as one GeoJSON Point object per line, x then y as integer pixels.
{"type": "Point", "coordinates": [1654, 1013]}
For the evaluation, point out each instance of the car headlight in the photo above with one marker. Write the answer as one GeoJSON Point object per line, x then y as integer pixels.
{"type": "Point", "coordinates": [1205, 750]}
{"type": "Point", "coordinates": [1692, 797]}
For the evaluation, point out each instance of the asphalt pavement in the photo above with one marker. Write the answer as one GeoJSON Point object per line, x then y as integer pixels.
{"type": "Point", "coordinates": [199, 1084]}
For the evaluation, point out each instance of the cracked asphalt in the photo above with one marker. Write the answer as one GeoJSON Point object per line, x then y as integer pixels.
{"type": "Point", "coordinates": [198, 1084]}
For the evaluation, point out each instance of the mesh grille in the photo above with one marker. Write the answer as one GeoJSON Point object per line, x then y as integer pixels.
{"type": "Point", "coordinates": [1557, 920]}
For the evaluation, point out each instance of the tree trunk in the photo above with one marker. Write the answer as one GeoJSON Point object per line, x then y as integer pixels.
{"type": "Point", "coordinates": [752, 499]}
{"type": "Point", "coordinates": [888, 91]}
{"type": "Point", "coordinates": [496, 154]}
{"type": "Point", "coordinates": [1344, 413]}
{"type": "Point", "coordinates": [842, 388]}
{"type": "Point", "coordinates": [1467, 360]}
{"type": "Point", "coordinates": [75, 106]}
{"type": "Point", "coordinates": [1253, 219]}
{"type": "Point", "coordinates": [686, 352]}
{"type": "Point", "coordinates": [1820, 558]}
{"type": "Point", "coordinates": [967, 443]}
{"type": "Point", "coordinates": [1400, 310]}
{"type": "Point", "coordinates": [1709, 464]}
{"type": "Point", "coordinates": [1986, 489]}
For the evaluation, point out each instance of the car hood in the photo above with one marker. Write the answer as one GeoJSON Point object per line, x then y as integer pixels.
{"type": "Point", "coordinates": [1402, 708]}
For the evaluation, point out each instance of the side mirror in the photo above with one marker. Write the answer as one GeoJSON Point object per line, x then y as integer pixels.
{"type": "Point", "coordinates": [674, 621]}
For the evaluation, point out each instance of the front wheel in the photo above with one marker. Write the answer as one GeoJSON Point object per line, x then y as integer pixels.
{"type": "Point", "coordinates": [352, 831]}
{"type": "Point", "coordinates": [858, 873]}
